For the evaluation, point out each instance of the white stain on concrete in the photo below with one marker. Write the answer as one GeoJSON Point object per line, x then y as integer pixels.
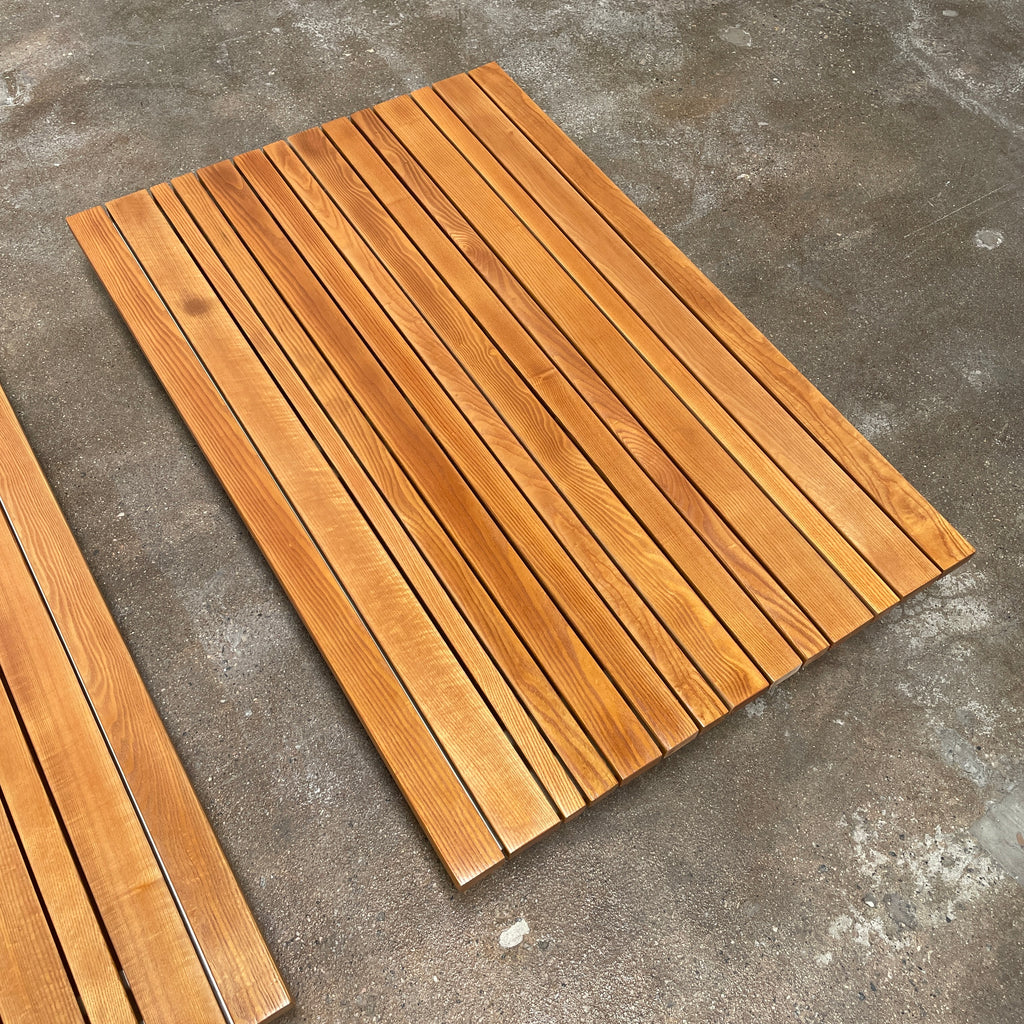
{"type": "Point", "coordinates": [948, 67]}
{"type": "Point", "coordinates": [875, 425]}
{"type": "Point", "coordinates": [988, 238]}
{"type": "Point", "coordinates": [934, 875]}
{"type": "Point", "coordinates": [954, 607]}
{"type": "Point", "coordinates": [736, 35]}
{"type": "Point", "coordinates": [513, 934]}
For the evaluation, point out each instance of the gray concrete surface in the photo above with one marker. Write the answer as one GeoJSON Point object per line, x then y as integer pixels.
{"type": "Point", "coordinates": [851, 175]}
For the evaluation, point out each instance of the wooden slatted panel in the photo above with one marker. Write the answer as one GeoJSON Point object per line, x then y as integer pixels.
{"type": "Point", "coordinates": [146, 930]}
{"type": "Point", "coordinates": [204, 883]}
{"type": "Point", "coordinates": [61, 889]}
{"type": "Point", "coordinates": [582, 515]}
{"type": "Point", "coordinates": [34, 987]}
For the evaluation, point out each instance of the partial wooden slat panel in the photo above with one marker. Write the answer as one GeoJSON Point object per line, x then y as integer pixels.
{"type": "Point", "coordinates": [34, 986]}
{"type": "Point", "coordinates": [805, 574]}
{"type": "Point", "coordinates": [646, 691]}
{"type": "Point", "coordinates": [618, 734]}
{"type": "Point", "coordinates": [239, 960]}
{"type": "Point", "coordinates": [849, 447]}
{"type": "Point", "coordinates": [517, 441]}
{"type": "Point", "coordinates": [888, 549]}
{"type": "Point", "coordinates": [462, 840]}
{"type": "Point", "coordinates": [333, 419]}
{"type": "Point", "coordinates": [73, 921]}
{"type": "Point", "coordinates": [134, 902]}
{"type": "Point", "coordinates": [503, 788]}
{"type": "Point", "coordinates": [516, 338]}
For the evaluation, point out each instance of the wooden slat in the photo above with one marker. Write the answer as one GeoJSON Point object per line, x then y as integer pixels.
{"type": "Point", "coordinates": [239, 960]}
{"type": "Point", "coordinates": [494, 686]}
{"type": "Point", "coordinates": [60, 887]}
{"type": "Point", "coordinates": [503, 788]}
{"type": "Point", "coordinates": [675, 516]}
{"type": "Point", "coordinates": [848, 446]}
{"type": "Point", "coordinates": [34, 986]}
{"type": "Point", "coordinates": [805, 574]}
{"type": "Point", "coordinates": [454, 826]}
{"type": "Point", "coordinates": [131, 894]}
{"type": "Point", "coordinates": [617, 733]}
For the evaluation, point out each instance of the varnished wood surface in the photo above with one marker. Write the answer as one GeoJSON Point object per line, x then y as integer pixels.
{"type": "Point", "coordinates": [120, 868]}
{"type": "Point", "coordinates": [204, 882]}
{"type": "Point", "coordinates": [449, 374]}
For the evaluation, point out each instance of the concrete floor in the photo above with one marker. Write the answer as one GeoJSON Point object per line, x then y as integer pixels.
{"type": "Point", "coordinates": [850, 174]}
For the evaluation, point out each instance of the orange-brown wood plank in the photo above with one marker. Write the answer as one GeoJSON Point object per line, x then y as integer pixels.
{"type": "Point", "coordinates": [134, 902]}
{"type": "Point", "coordinates": [675, 516]}
{"type": "Point", "coordinates": [60, 887]}
{"type": "Point", "coordinates": [478, 748]}
{"type": "Point", "coordinates": [616, 731]}
{"type": "Point", "coordinates": [204, 882]}
{"type": "Point", "coordinates": [454, 826]}
{"type": "Point", "coordinates": [318, 397]}
{"type": "Point", "coordinates": [34, 986]}
{"type": "Point", "coordinates": [845, 444]}
{"type": "Point", "coordinates": [513, 421]}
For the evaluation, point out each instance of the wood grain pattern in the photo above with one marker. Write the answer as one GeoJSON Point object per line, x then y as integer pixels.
{"type": "Point", "coordinates": [890, 551]}
{"type": "Point", "coordinates": [146, 931]}
{"type": "Point", "coordinates": [471, 737]}
{"type": "Point", "coordinates": [447, 373]}
{"type": "Point", "coordinates": [710, 465]}
{"type": "Point", "coordinates": [493, 684]}
{"type": "Point", "coordinates": [621, 738]}
{"type": "Point", "coordinates": [57, 880]}
{"type": "Point", "coordinates": [669, 514]}
{"type": "Point", "coordinates": [204, 882]}
{"type": "Point", "coordinates": [34, 987]}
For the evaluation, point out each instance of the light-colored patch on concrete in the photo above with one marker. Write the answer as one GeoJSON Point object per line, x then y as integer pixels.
{"type": "Point", "coordinates": [918, 882]}
{"type": "Point", "coordinates": [949, 67]}
{"type": "Point", "coordinates": [988, 238]}
{"type": "Point", "coordinates": [954, 606]}
{"type": "Point", "coordinates": [755, 708]}
{"type": "Point", "coordinates": [736, 35]}
{"type": "Point", "coordinates": [15, 89]}
{"type": "Point", "coordinates": [513, 934]}
{"type": "Point", "coordinates": [1000, 830]}
{"type": "Point", "coordinates": [874, 425]}
{"type": "Point", "coordinates": [959, 754]}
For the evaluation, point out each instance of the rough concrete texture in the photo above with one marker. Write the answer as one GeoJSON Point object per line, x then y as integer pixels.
{"type": "Point", "coordinates": [850, 174]}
